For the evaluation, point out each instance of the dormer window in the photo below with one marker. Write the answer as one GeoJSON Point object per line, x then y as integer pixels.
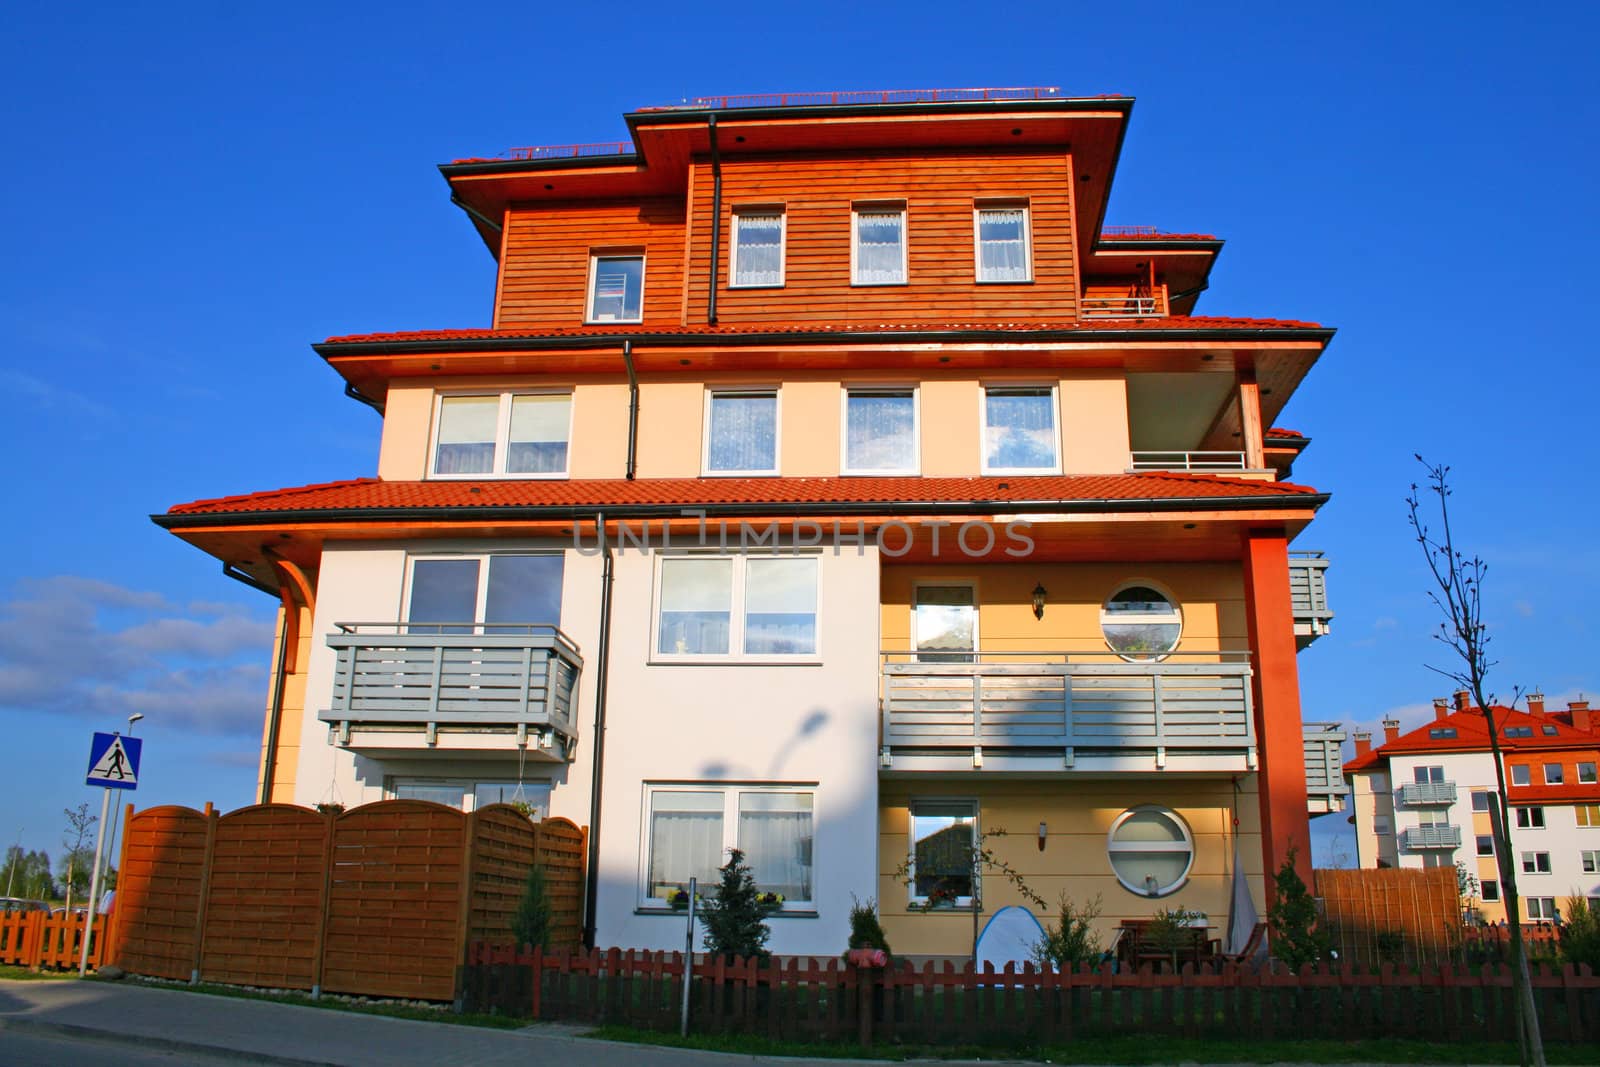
{"type": "Point", "coordinates": [616, 289]}
{"type": "Point", "coordinates": [757, 248]}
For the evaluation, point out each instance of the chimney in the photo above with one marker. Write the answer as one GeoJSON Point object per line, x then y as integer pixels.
{"type": "Point", "coordinates": [1580, 714]}
{"type": "Point", "coordinates": [1391, 730]}
{"type": "Point", "coordinates": [1463, 700]}
{"type": "Point", "coordinates": [1441, 707]}
{"type": "Point", "coordinates": [1363, 743]}
{"type": "Point", "coordinates": [1536, 703]}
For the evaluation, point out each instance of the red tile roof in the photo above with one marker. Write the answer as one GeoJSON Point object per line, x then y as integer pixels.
{"type": "Point", "coordinates": [1279, 431]}
{"type": "Point", "coordinates": [1472, 735]}
{"type": "Point", "coordinates": [1174, 322]}
{"type": "Point", "coordinates": [372, 494]}
{"type": "Point", "coordinates": [1158, 237]}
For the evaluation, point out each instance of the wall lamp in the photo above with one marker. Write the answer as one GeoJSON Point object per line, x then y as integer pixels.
{"type": "Point", "coordinates": [1044, 832]}
{"type": "Point", "coordinates": [1039, 593]}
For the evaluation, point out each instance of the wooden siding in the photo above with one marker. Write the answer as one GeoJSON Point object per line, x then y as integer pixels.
{"type": "Point", "coordinates": [545, 265]}
{"type": "Point", "coordinates": [939, 190]}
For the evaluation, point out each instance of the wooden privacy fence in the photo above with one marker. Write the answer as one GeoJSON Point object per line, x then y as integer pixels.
{"type": "Point", "coordinates": [45, 939]}
{"type": "Point", "coordinates": [828, 1001]}
{"type": "Point", "coordinates": [380, 900]}
{"type": "Point", "coordinates": [1392, 914]}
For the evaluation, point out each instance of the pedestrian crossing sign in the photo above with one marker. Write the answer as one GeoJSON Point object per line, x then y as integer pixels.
{"type": "Point", "coordinates": [114, 761]}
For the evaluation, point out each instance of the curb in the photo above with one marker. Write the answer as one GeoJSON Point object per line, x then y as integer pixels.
{"type": "Point", "coordinates": [165, 1044]}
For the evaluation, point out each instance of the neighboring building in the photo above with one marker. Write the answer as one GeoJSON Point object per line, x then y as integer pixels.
{"type": "Point", "coordinates": [930, 510]}
{"type": "Point", "coordinates": [1421, 799]}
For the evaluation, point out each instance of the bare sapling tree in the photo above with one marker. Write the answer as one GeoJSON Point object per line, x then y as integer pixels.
{"type": "Point", "coordinates": [1459, 597]}
{"type": "Point", "coordinates": [74, 839]}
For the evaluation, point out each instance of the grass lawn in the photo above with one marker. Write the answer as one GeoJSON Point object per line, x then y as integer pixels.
{"type": "Point", "coordinates": [1130, 1050]}
{"type": "Point", "coordinates": [23, 974]}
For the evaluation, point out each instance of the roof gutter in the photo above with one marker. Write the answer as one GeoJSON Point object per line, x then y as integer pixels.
{"type": "Point", "coordinates": [796, 509]}
{"type": "Point", "coordinates": [478, 216]}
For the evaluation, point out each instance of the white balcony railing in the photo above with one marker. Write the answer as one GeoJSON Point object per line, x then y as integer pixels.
{"type": "Point", "coordinates": [1188, 461]}
{"type": "Point", "coordinates": [1121, 307]}
{"type": "Point", "coordinates": [1423, 794]}
{"type": "Point", "coordinates": [1066, 715]}
{"type": "Point", "coordinates": [513, 678]}
{"type": "Point", "coordinates": [1439, 835]}
{"type": "Point", "coordinates": [1325, 784]}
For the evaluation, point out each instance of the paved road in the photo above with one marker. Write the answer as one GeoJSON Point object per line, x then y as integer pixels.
{"type": "Point", "coordinates": [33, 1050]}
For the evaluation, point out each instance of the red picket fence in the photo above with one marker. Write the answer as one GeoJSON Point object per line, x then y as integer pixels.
{"type": "Point", "coordinates": [813, 1000]}
{"type": "Point", "coordinates": [43, 939]}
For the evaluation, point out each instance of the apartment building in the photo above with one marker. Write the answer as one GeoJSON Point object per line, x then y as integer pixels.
{"type": "Point", "coordinates": [831, 483]}
{"type": "Point", "coordinates": [1422, 799]}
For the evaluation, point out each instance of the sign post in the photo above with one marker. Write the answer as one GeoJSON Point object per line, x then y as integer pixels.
{"type": "Point", "coordinates": [113, 764]}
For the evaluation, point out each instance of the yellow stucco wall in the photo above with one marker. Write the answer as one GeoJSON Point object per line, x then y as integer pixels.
{"type": "Point", "coordinates": [294, 704]}
{"type": "Point", "coordinates": [1078, 815]}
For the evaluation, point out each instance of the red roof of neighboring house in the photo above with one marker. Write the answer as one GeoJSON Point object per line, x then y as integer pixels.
{"type": "Point", "coordinates": [1472, 735]}
{"type": "Point", "coordinates": [1279, 431]}
{"type": "Point", "coordinates": [1175, 322]}
{"type": "Point", "coordinates": [377, 495]}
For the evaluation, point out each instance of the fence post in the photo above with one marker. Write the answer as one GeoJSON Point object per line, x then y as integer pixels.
{"type": "Point", "coordinates": [538, 978]}
{"type": "Point", "coordinates": [469, 852]}
{"type": "Point", "coordinates": [320, 942]}
{"type": "Point", "coordinates": [211, 816]}
{"type": "Point", "coordinates": [864, 1005]}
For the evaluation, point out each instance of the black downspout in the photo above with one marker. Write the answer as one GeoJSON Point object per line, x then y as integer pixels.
{"type": "Point", "coordinates": [716, 219]}
{"type": "Point", "coordinates": [479, 216]}
{"type": "Point", "coordinates": [355, 394]}
{"type": "Point", "coordinates": [633, 410]}
{"type": "Point", "coordinates": [591, 889]}
{"type": "Point", "coordinates": [275, 708]}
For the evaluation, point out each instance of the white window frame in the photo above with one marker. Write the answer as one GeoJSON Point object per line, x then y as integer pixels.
{"type": "Point", "coordinates": [1482, 839]}
{"type": "Point", "coordinates": [1529, 817]}
{"type": "Point", "coordinates": [983, 426]}
{"type": "Point", "coordinates": [1545, 905]}
{"type": "Point", "coordinates": [1531, 861]}
{"type": "Point", "coordinates": [1526, 771]}
{"type": "Point", "coordinates": [1561, 774]}
{"type": "Point", "coordinates": [977, 622]}
{"type": "Point", "coordinates": [730, 832]}
{"type": "Point", "coordinates": [844, 430]}
{"type": "Point", "coordinates": [883, 207]}
{"type": "Point", "coordinates": [589, 293]}
{"type": "Point", "coordinates": [1587, 816]}
{"type": "Point", "coordinates": [482, 604]}
{"type": "Point", "coordinates": [737, 612]}
{"type": "Point", "coordinates": [1587, 779]}
{"type": "Point", "coordinates": [777, 431]}
{"type": "Point", "coordinates": [912, 897]}
{"type": "Point", "coordinates": [1589, 860]}
{"type": "Point", "coordinates": [753, 210]}
{"type": "Point", "coordinates": [502, 434]}
{"type": "Point", "coordinates": [1002, 204]}
{"type": "Point", "coordinates": [1476, 793]}
{"type": "Point", "coordinates": [1188, 839]}
{"type": "Point", "coordinates": [1105, 617]}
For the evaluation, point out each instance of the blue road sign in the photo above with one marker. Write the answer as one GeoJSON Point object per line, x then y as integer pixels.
{"type": "Point", "coordinates": [114, 761]}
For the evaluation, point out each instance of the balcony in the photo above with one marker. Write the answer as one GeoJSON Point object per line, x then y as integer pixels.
{"type": "Point", "coordinates": [1308, 593]}
{"type": "Point", "coordinates": [1439, 835]}
{"type": "Point", "coordinates": [1019, 714]}
{"type": "Point", "coordinates": [1424, 794]}
{"type": "Point", "coordinates": [464, 689]}
{"type": "Point", "coordinates": [1122, 307]}
{"type": "Point", "coordinates": [1325, 784]}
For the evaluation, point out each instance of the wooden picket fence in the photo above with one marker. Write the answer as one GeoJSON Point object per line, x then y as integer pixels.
{"type": "Point", "coordinates": [811, 1000]}
{"type": "Point", "coordinates": [381, 900]}
{"type": "Point", "coordinates": [41, 939]}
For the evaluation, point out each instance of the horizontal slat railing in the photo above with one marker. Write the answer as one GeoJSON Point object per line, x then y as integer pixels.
{"type": "Point", "coordinates": [490, 675]}
{"type": "Point", "coordinates": [1069, 707]}
{"type": "Point", "coordinates": [1436, 836]}
{"type": "Point", "coordinates": [1308, 585]}
{"type": "Point", "coordinates": [1422, 793]}
{"type": "Point", "coordinates": [1188, 461]}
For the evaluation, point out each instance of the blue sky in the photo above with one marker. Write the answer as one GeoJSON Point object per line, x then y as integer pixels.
{"type": "Point", "coordinates": [194, 193]}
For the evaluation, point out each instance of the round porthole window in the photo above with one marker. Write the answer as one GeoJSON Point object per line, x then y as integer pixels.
{"type": "Point", "coordinates": [1151, 850]}
{"type": "Point", "coordinates": [1140, 623]}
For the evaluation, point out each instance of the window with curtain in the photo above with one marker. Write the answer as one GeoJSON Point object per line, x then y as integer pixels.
{"type": "Point", "coordinates": [775, 837]}
{"type": "Point", "coordinates": [686, 840]}
{"type": "Point", "coordinates": [737, 606]}
{"type": "Point", "coordinates": [1019, 430]}
{"type": "Point", "coordinates": [696, 606]}
{"type": "Point", "coordinates": [502, 435]}
{"type": "Point", "coordinates": [780, 606]}
{"type": "Point", "coordinates": [693, 826]}
{"type": "Point", "coordinates": [880, 431]}
{"type": "Point", "coordinates": [616, 289]}
{"type": "Point", "coordinates": [757, 248]}
{"type": "Point", "coordinates": [1003, 244]}
{"type": "Point", "coordinates": [880, 246]}
{"type": "Point", "coordinates": [742, 432]}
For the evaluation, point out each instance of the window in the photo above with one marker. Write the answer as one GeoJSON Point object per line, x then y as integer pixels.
{"type": "Point", "coordinates": [511, 433]}
{"type": "Point", "coordinates": [455, 594]}
{"type": "Point", "coordinates": [1440, 733]}
{"type": "Point", "coordinates": [944, 622]}
{"type": "Point", "coordinates": [616, 289]}
{"type": "Point", "coordinates": [1480, 800]}
{"type": "Point", "coordinates": [943, 835]}
{"type": "Point", "coordinates": [1536, 863]}
{"type": "Point", "coordinates": [1588, 814]}
{"type": "Point", "coordinates": [1549, 731]}
{"type": "Point", "coordinates": [1530, 818]}
{"type": "Point", "coordinates": [1540, 909]}
{"type": "Point", "coordinates": [1019, 430]}
{"type": "Point", "coordinates": [1519, 731]}
{"type": "Point", "coordinates": [691, 829]}
{"type": "Point", "coordinates": [1553, 774]}
{"type": "Point", "coordinates": [1002, 243]}
{"type": "Point", "coordinates": [1423, 775]}
{"type": "Point", "coordinates": [1485, 844]}
{"type": "Point", "coordinates": [1591, 861]}
{"type": "Point", "coordinates": [878, 253]}
{"type": "Point", "coordinates": [1520, 774]}
{"type": "Point", "coordinates": [1139, 623]}
{"type": "Point", "coordinates": [1586, 774]}
{"type": "Point", "coordinates": [1380, 825]}
{"type": "Point", "coordinates": [1433, 859]}
{"type": "Point", "coordinates": [742, 432]}
{"type": "Point", "coordinates": [469, 795]}
{"type": "Point", "coordinates": [696, 598]}
{"type": "Point", "coordinates": [1491, 890]}
{"type": "Point", "coordinates": [1433, 818]}
{"type": "Point", "coordinates": [1151, 850]}
{"type": "Point", "coordinates": [757, 247]}
{"type": "Point", "coordinates": [880, 431]}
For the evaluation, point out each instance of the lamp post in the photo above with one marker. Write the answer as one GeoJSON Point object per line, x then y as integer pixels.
{"type": "Point", "coordinates": [16, 861]}
{"type": "Point", "coordinates": [116, 816]}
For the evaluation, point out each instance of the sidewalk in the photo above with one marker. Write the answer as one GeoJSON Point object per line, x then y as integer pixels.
{"type": "Point", "coordinates": [260, 1031]}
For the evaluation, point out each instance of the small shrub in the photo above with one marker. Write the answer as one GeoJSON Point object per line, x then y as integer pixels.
{"type": "Point", "coordinates": [530, 923]}
{"type": "Point", "coordinates": [736, 919]}
{"type": "Point", "coordinates": [1297, 938]}
{"type": "Point", "coordinates": [1171, 931]}
{"type": "Point", "coordinates": [865, 929]}
{"type": "Point", "coordinates": [1580, 933]}
{"type": "Point", "coordinates": [1071, 940]}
